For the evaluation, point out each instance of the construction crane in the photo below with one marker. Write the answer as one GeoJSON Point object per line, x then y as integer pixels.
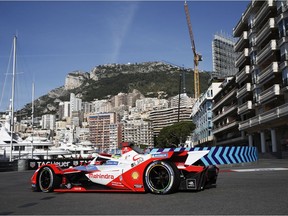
{"type": "Point", "coordinates": [197, 57]}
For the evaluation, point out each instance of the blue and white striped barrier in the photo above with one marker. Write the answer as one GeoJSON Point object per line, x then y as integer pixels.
{"type": "Point", "coordinates": [219, 155]}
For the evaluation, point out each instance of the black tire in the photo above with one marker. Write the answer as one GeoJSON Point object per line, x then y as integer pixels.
{"type": "Point", "coordinates": [162, 177]}
{"type": "Point", "coordinates": [48, 180]}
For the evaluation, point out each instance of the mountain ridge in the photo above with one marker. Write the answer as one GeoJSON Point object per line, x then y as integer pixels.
{"type": "Point", "coordinates": [105, 81]}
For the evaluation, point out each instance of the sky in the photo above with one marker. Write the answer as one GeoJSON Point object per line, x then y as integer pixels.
{"type": "Point", "coordinates": [55, 38]}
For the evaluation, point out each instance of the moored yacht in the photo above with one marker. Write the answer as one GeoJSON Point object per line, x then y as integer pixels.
{"type": "Point", "coordinates": [78, 150]}
{"type": "Point", "coordinates": [33, 147]}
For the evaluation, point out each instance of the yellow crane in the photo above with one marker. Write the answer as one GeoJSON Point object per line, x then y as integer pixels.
{"type": "Point", "coordinates": [197, 57]}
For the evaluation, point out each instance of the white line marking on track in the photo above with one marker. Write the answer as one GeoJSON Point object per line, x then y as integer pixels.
{"type": "Point", "coordinates": [258, 169]}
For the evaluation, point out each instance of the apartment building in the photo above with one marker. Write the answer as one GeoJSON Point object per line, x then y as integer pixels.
{"type": "Point", "coordinates": [166, 117]}
{"type": "Point", "coordinates": [48, 121]}
{"type": "Point", "coordinates": [185, 100]}
{"type": "Point", "coordinates": [75, 103]}
{"type": "Point", "coordinates": [138, 131]}
{"type": "Point", "coordinates": [100, 130]}
{"type": "Point", "coordinates": [64, 110]}
{"type": "Point", "coordinates": [262, 75]}
{"type": "Point", "coordinates": [226, 116]}
{"type": "Point", "coordinates": [202, 116]}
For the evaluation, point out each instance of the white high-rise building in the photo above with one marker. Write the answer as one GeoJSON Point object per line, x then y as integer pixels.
{"type": "Point", "coordinates": [75, 103]}
{"type": "Point", "coordinates": [48, 122]}
{"type": "Point", "coordinates": [224, 56]}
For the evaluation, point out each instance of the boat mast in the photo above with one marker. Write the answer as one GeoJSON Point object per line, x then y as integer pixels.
{"type": "Point", "coordinates": [32, 117]}
{"type": "Point", "coordinates": [13, 93]}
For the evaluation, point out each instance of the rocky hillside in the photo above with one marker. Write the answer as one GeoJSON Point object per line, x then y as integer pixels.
{"type": "Point", "coordinates": [108, 80]}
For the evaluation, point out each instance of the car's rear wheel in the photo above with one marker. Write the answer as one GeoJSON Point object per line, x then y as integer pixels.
{"type": "Point", "coordinates": [162, 177]}
{"type": "Point", "coordinates": [48, 180]}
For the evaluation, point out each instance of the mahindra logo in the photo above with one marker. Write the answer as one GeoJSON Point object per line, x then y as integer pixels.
{"type": "Point", "coordinates": [101, 176]}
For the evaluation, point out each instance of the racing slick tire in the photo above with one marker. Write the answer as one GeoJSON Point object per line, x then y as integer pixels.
{"type": "Point", "coordinates": [47, 180]}
{"type": "Point", "coordinates": [162, 177]}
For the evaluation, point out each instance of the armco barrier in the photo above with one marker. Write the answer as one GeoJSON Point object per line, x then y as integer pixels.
{"type": "Point", "coordinates": [8, 166]}
{"type": "Point", "coordinates": [63, 163]}
{"type": "Point", "coordinates": [22, 164]}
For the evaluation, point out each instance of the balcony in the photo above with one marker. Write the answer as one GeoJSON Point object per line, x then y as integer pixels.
{"type": "Point", "coordinates": [223, 99]}
{"type": "Point", "coordinates": [225, 111]}
{"type": "Point", "coordinates": [282, 41]}
{"type": "Point", "coordinates": [244, 90]}
{"type": "Point", "coordinates": [240, 44]}
{"type": "Point", "coordinates": [225, 127]}
{"type": "Point", "coordinates": [269, 94]}
{"type": "Point", "coordinates": [283, 65]}
{"type": "Point", "coordinates": [206, 139]}
{"type": "Point", "coordinates": [242, 25]}
{"type": "Point", "coordinates": [242, 58]}
{"type": "Point", "coordinates": [264, 11]}
{"type": "Point", "coordinates": [266, 52]}
{"type": "Point", "coordinates": [242, 75]}
{"type": "Point", "coordinates": [268, 73]}
{"type": "Point", "coordinates": [266, 117]}
{"type": "Point", "coordinates": [265, 31]}
{"type": "Point", "coordinates": [281, 6]}
{"type": "Point", "coordinates": [244, 107]}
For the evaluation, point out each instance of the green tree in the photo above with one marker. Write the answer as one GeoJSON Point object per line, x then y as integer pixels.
{"type": "Point", "coordinates": [175, 134]}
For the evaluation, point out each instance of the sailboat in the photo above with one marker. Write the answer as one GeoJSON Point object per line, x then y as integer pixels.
{"type": "Point", "coordinates": [13, 145]}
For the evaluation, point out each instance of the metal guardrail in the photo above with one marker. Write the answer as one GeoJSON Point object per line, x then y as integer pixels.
{"type": "Point", "coordinates": [30, 164]}
{"type": "Point", "coordinates": [8, 166]}
{"type": "Point", "coordinates": [63, 163]}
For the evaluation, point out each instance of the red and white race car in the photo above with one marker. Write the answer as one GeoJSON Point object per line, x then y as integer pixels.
{"type": "Point", "coordinates": [160, 172]}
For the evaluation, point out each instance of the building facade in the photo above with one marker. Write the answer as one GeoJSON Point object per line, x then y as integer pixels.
{"type": "Point", "coordinates": [202, 116]}
{"type": "Point", "coordinates": [185, 100]}
{"type": "Point", "coordinates": [64, 110]}
{"type": "Point", "coordinates": [48, 122]}
{"type": "Point", "coordinates": [262, 75]}
{"type": "Point", "coordinates": [99, 127]}
{"type": "Point", "coordinates": [223, 56]}
{"type": "Point", "coordinates": [166, 117]}
{"type": "Point", "coordinates": [226, 115]}
{"type": "Point", "coordinates": [75, 104]}
{"type": "Point", "coordinates": [138, 131]}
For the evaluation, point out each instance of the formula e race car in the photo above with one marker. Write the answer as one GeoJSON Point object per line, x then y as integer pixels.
{"type": "Point", "coordinates": [161, 171]}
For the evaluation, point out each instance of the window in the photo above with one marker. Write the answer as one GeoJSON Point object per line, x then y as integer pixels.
{"type": "Point", "coordinates": [283, 52]}
{"type": "Point", "coordinates": [209, 132]}
{"type": "Point", "coordinates": [251, 20]}
{"type": "Point", "coordinates": [256, 95]}
{"type": "Point", "coordinates": [255, 76]}
{"type": "Point", "coordinates": [252, 40]}
{"type": "Point", "coordinates": [285, 77]}
{"type": "Point", "coordinates": [19, 148]}
{"type": "Point", "coordinates": [253, 57]}
{"type": "Point", "coordinates": [209, 105]}
{"type": "Point", "coordinates": [283, 27]}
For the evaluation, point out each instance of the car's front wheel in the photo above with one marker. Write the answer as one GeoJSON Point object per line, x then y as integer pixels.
{"type": "Point", "coordinates": [162, 177]}
{"type": "Point", "coordinates": [48, 180]}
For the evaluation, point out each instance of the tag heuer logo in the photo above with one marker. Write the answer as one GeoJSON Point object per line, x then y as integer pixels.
{"type": "Point", "coordinates": [191, 183]}
{"type": "Point", "coordinates": [32, 164]}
